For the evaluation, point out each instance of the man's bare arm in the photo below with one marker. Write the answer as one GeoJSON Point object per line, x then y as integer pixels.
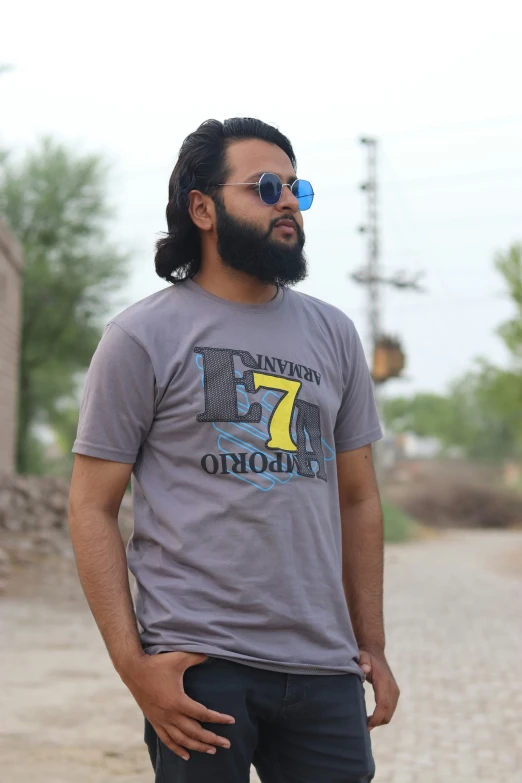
{"type": "Point", "coordinates": [97, 489]}
{"type": "Point", "coordinates": [363, 566]}
{"type": "Point", "coordinates": [363, 558]}
{"type": "Point", "coordinates": [155, 681]}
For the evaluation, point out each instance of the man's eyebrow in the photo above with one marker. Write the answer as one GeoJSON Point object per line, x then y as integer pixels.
{"type": "Point", "coordinates": [255, 177]}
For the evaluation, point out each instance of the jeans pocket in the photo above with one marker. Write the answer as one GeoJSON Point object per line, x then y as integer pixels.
{"type": "Point", "coordinates": [202, 664]}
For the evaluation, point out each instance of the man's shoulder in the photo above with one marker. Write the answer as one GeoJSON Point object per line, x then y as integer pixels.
{"type": "Point", "coordinates": [324, 311]}
{"type": "Point", "coordinates": [145, 319]}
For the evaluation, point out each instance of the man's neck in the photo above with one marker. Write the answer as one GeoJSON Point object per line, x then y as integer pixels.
{"type": "Point", "coordinates": [235, 286]}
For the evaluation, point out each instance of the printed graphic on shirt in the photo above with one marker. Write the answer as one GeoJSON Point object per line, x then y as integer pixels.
{"type": "Point", "coordinates": [270, 439]}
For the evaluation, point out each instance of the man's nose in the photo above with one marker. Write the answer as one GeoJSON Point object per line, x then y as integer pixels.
{"type": "Point", "coordinates": [288, 202]}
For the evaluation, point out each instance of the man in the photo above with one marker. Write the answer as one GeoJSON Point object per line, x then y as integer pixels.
{"type": "Point", "coordinates": [244, 412]}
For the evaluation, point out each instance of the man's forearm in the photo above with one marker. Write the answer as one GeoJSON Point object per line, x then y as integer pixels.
{"type": "Point", "coordinates": [363, 561]}
{"type": "Point", "coordinates": [102, 567]}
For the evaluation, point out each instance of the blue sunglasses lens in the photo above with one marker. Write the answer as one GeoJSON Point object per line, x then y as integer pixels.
{"type": "Point", "coordinates": [270, 188]}
{"type": "Point", "coordinates": [304, 193]}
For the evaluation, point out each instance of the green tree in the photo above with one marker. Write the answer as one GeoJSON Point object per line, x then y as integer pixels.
{"type": "Point", "coordinates": [480, 414]}
{"type": "Point", "coordinates": [488, 427]}
{"type": "Point", "coordinates": [55, 202]}
{"type": "Point", "coordinates": [424, 414]}
{"type": "Point", "coordinates": [482, 411]}
{"type": "Point", "coordinates": [509, 265]}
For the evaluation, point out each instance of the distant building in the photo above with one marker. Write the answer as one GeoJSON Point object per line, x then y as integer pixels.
{"type": "Point", "coordinates": [11, 266]}
{"type": "Point", "coordinates": [415, 447]}
{"type": "Point", "coordinates": [397, 447]}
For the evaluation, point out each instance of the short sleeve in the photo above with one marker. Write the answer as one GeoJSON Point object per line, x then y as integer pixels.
{"type": "Point", "coordinates": [357, 421]}
{"type": "Point", "coordinates": [118, 404]}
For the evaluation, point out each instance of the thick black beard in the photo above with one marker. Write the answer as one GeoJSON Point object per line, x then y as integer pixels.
{"type": "Point", "coordinates": [247, 249]}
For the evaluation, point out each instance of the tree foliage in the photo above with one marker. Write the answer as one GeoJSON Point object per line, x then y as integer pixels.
{"type": "Point", "coordinates": [482, 411]}
{"type": "Point", "coordinates": [510, 267]}
{"type": "Point", "coordinates": [55, 202]}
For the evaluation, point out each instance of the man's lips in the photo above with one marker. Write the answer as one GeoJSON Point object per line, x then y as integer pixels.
{"type": "Point", "coordinates": [287, 226]}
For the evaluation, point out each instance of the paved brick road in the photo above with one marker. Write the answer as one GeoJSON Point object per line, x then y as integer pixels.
{"type": "Point", "coordinates": [454, 627]}
{"type": "Point", "coordinates": [454, 616]}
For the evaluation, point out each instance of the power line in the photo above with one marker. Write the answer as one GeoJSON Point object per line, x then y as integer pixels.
{"type": "Point", "coordinates": [462, 177]}
{"type": "Point", "coordinates": [456, 126]}
{"type": "Point", "coordinates": [426, 130]}
{"type": "Point", "coordinates": [487, 218]}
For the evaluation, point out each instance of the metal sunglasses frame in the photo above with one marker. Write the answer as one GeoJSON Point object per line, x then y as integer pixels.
{"type": "Point", "coordinates": [283, 185]}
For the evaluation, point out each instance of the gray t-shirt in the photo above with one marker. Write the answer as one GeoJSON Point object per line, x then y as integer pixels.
{"type": "Point", "coordinates": [232, 415]}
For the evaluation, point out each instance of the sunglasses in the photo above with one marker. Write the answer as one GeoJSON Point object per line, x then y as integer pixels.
{"type": "Point", "coordinates": [270, 189]}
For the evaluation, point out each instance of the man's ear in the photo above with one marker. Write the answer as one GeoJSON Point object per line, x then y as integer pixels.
{"type": "Point", "coordinates": [201, 210]}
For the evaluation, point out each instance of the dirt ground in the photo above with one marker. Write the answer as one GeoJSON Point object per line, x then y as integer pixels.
{"type": "Point", "coordinates": [66, 716]}
{"type": "Point", "coordinates": [453, 612]}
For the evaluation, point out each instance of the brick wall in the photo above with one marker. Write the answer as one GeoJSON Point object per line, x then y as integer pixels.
{"type": "Point", "coordinates": [11, 265]}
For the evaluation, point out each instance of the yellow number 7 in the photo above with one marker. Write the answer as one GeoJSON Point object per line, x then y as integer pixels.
{"type": "Point", "coordinates": [279, 426]}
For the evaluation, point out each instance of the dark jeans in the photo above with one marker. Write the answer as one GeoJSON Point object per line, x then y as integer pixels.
{"type": "Point", "coordinates": [294, 728]}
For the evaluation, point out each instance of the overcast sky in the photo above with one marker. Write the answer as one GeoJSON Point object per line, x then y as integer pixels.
{"type": "Point", "coordinates": [438, 83]}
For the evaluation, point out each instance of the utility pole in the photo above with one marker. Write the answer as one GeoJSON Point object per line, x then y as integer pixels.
{"type": "Point", "coordinates": [386, 353]}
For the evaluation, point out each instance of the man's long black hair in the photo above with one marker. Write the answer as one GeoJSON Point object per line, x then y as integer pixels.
{"type": "Point", "coordinates": [201, 165]}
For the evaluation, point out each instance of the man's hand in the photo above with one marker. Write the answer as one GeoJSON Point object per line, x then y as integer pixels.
{"type": "Point", "coordinates": [379, 674]}
{"type": "Point", "coordinates": [156, 682]}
